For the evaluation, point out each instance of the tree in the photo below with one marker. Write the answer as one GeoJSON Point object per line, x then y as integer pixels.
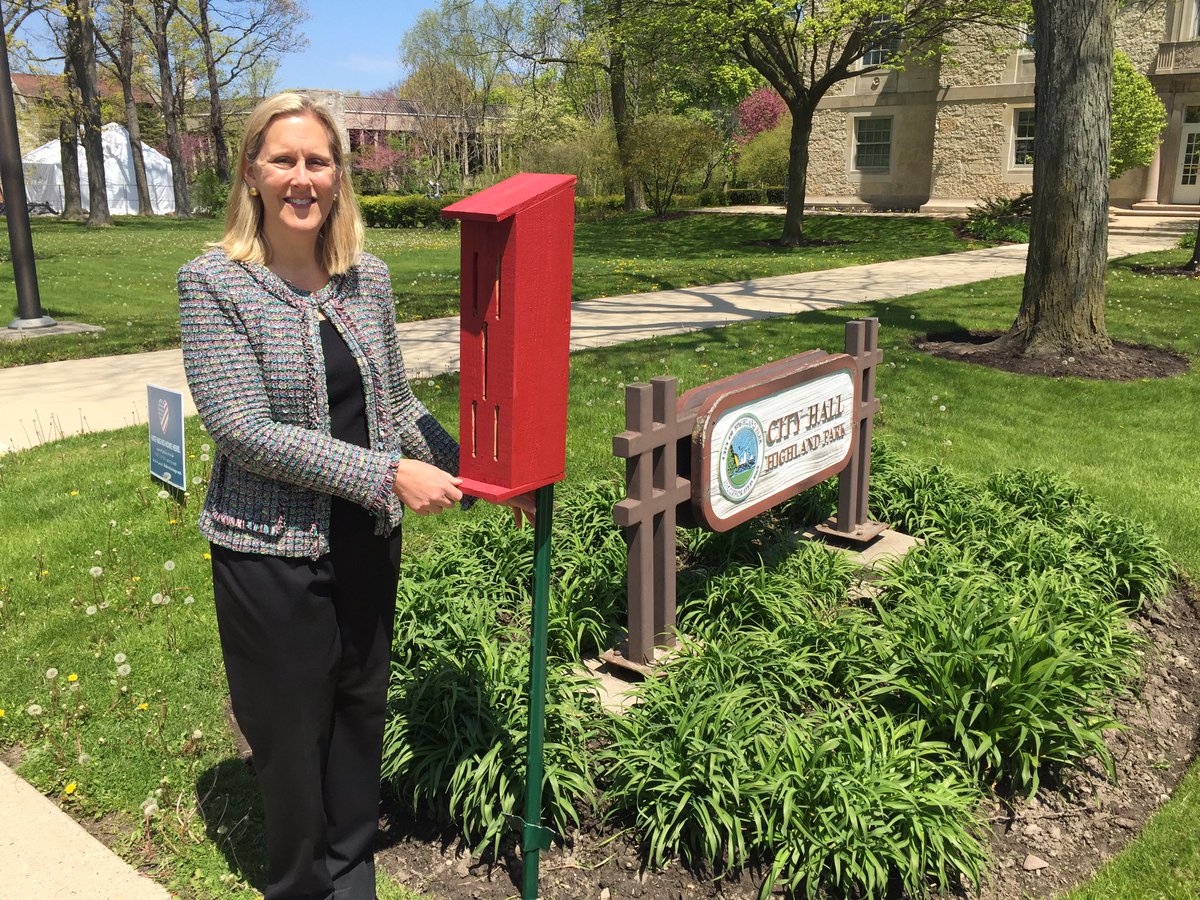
{"type": "Point", "coordinates": [81, 57]}
{"type": "Point", "coordinates": [802, 49]}
{"type": "Point", "coordinates": [236, 36]}
{"type": "Point", "coordinates": [1062, 303]}
{"type": "Point", "coordinates": [117, 43]}
{"type": "Point", "coordinates": [156, 26]}
{"type": "Point", "coordinates": [759, 112]}
{"type": "Point", "coordinates": [1138, 118]}
{"type": "Point", "coordinates": [666, 149]}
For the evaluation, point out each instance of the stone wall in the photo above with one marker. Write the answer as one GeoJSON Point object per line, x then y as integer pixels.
{"type": "Point", "coordinates": [970, 153]}
{"type": "Point", "coordinates": [953, 119]}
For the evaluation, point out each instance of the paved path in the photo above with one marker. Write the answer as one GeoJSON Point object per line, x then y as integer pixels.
{"type": "Point", "coordinates": [44, 855]}
{"type": "Point", "coordinates": [45, 402]}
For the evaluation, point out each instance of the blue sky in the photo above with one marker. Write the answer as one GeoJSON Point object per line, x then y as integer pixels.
{"type": "Point", "coordinates": [353, 45]}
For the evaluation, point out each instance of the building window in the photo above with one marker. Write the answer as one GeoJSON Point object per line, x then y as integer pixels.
{"type": "Point", "coordinates": [1029, 36]}
{"type": "Point", "coordinates": [873, 143]}
{"type": "Point", "coordinates": [1023, 121]}
{"type": "Point", "coordinates": [883, 42]}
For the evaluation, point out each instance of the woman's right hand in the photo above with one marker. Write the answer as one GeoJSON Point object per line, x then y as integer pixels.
{"type": "Point", "coordinates": [425, 489]}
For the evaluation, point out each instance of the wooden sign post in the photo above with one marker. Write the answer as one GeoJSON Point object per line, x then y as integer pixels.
{"type": "Point", "coordinates": [727, 451]}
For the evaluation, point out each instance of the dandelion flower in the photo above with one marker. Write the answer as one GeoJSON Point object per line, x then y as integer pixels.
{"type": "Point", "coordinates": [91, 610]}
{"type": "Point", "coordinates": [164, 494]}
{"type": "Point", "coordinates": [51, 673]}
{"type": "Point", "coordinates": [119, 658]}
{"type": "Point", "coordinates": [208, 556]}
{"type": "Point", "coordinates": [143, 706]}
{"type": "Point", "coordinates": [74, 493]}
{"type": "Point", "coordinates": [72, 677]}
{"type": "Point", "coordinates": [34, 710]}
{"type": "Point", "coordinates": [123, 669]}
{"type": "Point", "coordinates": [169, 565]}
{"type": "Point", "coordinates": [95, 571]}
{"type": "Point", "coordinates": [205, 447]}
{"type": "Point", "coordinates": [70, 788]}
{"type": "Point", "coordinates": [1, 714]}
{"type": "Point", "coordinates": [942, 408]}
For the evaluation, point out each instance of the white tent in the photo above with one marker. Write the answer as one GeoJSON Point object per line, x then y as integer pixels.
{"type": "Point", "coordinates": [44, 180]}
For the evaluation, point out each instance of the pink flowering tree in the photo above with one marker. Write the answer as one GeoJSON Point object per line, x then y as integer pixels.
{"type": "Point", "coordinates": [759, 112]}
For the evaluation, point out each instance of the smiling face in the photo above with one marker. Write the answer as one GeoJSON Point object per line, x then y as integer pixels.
{"type": "Point", "coordinates": [296, 179]}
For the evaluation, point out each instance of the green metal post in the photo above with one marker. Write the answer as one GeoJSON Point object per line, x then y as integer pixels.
{"type": "Point", "coordinates": [536, 838]}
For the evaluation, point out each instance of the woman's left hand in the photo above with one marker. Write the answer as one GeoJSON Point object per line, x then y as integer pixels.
{"type": "Point", "coordinates": [524, 506]}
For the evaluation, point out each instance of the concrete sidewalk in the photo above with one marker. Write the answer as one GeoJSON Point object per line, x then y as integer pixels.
{"type": "Point", "coordinates": [45, 402]}
{"type": "Point", "coordinates": [45, 855]}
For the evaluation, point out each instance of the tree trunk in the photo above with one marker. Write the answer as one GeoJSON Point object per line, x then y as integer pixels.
{"type": "Point", "coordinates": [163, 12]}
{"type": "Point", "coordinates": [125, 69]}
{"type": "Point", "coordinates": [797, 186]}
{"type": "Point", "coordinates": [1194, 262]}
{"type": "Point", "coordinates": [634, 198]}
{"type": "Point", "coordinates": [1062, 305]}
{"type": "Point", "coordinates": [216, 123]}
{"type": "Point", "coordinates": [68, 140]}
{"type": "Point", "coordinates": [81, 57]}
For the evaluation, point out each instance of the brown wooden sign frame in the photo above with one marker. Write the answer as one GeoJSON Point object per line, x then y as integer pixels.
{"type": "Point", "coordinates": [657, 496]}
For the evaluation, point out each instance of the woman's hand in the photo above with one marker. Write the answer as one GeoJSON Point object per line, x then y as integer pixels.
{"type": "Point", "coordinates": [523, 506]}
{"type": "Point", "coordinates": [425, 489]}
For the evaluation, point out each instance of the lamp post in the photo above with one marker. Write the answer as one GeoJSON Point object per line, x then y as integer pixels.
{"type": "Point", "coordinates": [29, 303]}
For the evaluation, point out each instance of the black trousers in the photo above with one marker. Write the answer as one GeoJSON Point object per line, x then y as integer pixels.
{"type": "Point", "coordinates": [307, 647]}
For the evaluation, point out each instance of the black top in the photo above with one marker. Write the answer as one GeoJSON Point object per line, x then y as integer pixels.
{"type": "Point", "coordinates": [348, 418]}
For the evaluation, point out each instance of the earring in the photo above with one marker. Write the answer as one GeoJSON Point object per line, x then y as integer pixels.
{"type": "Point", "coordinates": [335, 196]}
{"type": "Point", "coordinates": [253, 191]}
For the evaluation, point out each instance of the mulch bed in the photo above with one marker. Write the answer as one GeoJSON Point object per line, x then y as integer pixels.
{"type": "Point", "coordinates": [1124, 362]}
{"type": "Point", "coordinates": [1175, 271]}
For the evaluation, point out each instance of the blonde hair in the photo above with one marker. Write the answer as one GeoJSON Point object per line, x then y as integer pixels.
{"type": "Point", "coordinates": [340, 241]}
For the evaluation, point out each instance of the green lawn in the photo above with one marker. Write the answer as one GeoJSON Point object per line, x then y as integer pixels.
{"type": "Point", "coordinates": [86, 502]}
{"type": "Point", "coordinates": [124, 278]}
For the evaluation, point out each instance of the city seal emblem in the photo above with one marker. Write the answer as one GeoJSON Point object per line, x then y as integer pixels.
{"type": "Point", "coordinates": [738, 465]}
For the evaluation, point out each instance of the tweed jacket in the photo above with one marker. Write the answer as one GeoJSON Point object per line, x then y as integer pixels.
{"type": "Point", "coordinates": [254, 363]}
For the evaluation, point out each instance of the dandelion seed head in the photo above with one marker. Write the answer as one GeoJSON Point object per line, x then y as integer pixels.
{"type": "Point", "coordinates": [123, 669]}
{"type": "Point", "coordinates": [34, 710]}
{"type": "Point", "coordinates": [91, 610]}
{"type": "Point", "coordinates": [51, 673]}
{"type": "Point", "coordinates": [189, 600]}
{"type": "Point", "coordinates": [169, 565]}
{"type": "Point", "coordinates": [95, 571]}
{"type": "Point", "coordinates": [119, 658]}
{"type": "Point", "coordinates": [163, 494]}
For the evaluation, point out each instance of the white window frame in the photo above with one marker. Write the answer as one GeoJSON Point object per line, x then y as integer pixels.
{"type": "Point", "coordinates": [1013, 138]}
{"type": "Point", "coordinates": [855, 122]}
{"type": "Point", "coordinates": [883, 49]}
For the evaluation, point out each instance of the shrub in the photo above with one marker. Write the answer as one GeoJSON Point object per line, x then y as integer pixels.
{"type": "Point", "coordinates": [764, 160]}
{"type": "Point", "coordinates": [209, 193]}
{"type": "Point", "coordinates": [413, 211]}
{"type": "Point", "coordinates": [666, 151]}
{"type": "Point", "coordinates": [1187, 242]}
{"type": "Point", "coordinates": [1001, 218]}
{"type": "Point", "coordinates": [746, 196]}
{"type": "Point", "coordinates": [1010, 674]}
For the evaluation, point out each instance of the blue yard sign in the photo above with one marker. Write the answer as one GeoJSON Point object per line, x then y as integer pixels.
{"type": "Point", "coordinates": [165, 413]}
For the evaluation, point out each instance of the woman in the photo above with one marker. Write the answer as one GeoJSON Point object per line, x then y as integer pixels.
{"type": "Point", "coordinates": [290, 350]}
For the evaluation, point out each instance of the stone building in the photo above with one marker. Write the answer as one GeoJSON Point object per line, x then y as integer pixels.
{"type": "Point", "coordinates": [944, 134]}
